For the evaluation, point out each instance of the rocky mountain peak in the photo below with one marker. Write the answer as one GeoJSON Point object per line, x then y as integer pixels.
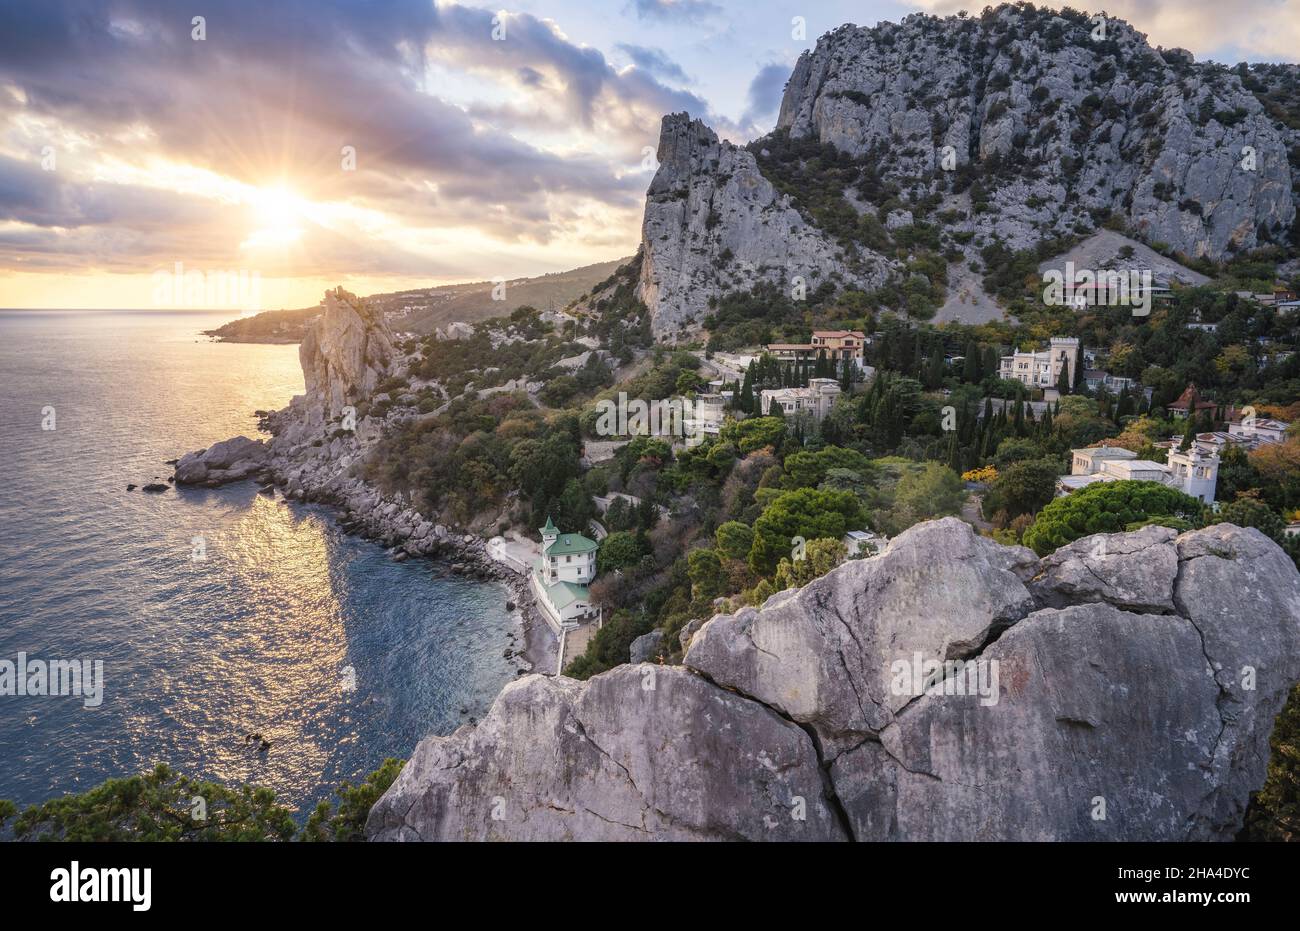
{"type": "Point", "coordinates": [1012, 128]}
{"type": "Point", "coordinates": [714, 223]}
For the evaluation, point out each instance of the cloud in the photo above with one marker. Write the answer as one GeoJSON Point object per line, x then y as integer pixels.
{"type": "Point", "coordinates": [763, 99]}
{"type": "Point", "coordinates": [277, 90]}
{"type": "Point", "coordinates": [686, 11]}
{"type": "Point", "coordinates": [655, 61]}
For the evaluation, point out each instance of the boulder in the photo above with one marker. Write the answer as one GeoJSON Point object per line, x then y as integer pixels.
{"type": "Point", "coordinates": [646, 647]}
{"type": "Point", "coordinates": [639, 753]}
{"type": "Point", "coordinates": [822, 654]}
{"type": "Point", "coordinates": [227, 461]}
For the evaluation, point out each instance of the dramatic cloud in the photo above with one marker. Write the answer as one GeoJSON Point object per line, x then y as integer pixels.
{"type": "Point", "coordinates": [160, 136]}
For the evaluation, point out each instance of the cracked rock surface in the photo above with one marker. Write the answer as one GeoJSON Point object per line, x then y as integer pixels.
{"type": "Point", "coordinates": [1137, 677]}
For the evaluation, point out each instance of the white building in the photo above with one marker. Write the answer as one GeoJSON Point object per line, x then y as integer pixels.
{"type": "Point", "coordinates": [708, 413]}
{"type": "Point", "coordinates": [565, 568]}
{"type": "Point", "coordinates": [816, 400]}
{"type": "Point", "coordinates": [864, 543]}
{"type": "Point", "coordinates": [1262, 429]}
{"type": "Point", "coordinates": [1194, 472]}
{"type": "Point", "coordinates": [1042, 369]}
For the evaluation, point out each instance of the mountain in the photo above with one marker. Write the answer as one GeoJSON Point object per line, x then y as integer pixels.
{"type": "Point", "coordinates": [423, 310]}
{"type": "Point", "coordinates": [1021, 129]}
{"type": "Point", "coordinates": [1112, 707]}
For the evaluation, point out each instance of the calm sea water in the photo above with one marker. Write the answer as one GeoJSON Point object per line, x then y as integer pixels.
{"type": "Point", "coordinates": [257, 637]}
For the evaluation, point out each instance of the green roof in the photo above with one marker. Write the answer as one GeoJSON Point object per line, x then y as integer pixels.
{"type": "Point", "coordinates": [570, 543]}
{"type": "Point", "coordinates": [550, 526]}
{"type": "Point", "coordinates": [563, 594]}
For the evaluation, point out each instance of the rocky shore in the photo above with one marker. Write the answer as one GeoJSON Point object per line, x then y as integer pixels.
{"type": "Point", "coordinates": [318, 446]}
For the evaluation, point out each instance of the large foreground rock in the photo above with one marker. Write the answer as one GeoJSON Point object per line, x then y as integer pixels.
{"type": "Point", "coordinates": [821, 654]}
{"type": "Point", "coordinates": [1123, 688]}
{"type": "Point", "coordinates": [640, 753]}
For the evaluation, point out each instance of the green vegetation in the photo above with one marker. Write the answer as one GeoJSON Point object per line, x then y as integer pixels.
{"type": "Point", "coordinates": [163, 805]}
{"type": "Point", "coordinates": [1107, 507]}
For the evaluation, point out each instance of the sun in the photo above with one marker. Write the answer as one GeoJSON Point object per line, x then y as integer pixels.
{"type": "Point", "coordinates": [278, 213]}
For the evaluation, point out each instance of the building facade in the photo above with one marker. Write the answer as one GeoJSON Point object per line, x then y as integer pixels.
{"type": "Point", "coordinates": [1194, 472]}
{"type": "Point", "coordinates": [1042, 369]}
{"type": "Point", "coordinates": [836, 345]}
{"type": "Point", "coordinates": [816, 400]}
{"type": "Point", "coordinates": [566, 567]}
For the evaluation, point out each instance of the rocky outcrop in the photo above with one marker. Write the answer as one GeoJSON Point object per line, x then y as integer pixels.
{"type": "Point", "coordinates": [714, 224]}
{"type": "Point", "coordinates": [345, 353]}
{"type": "Point", "coordinates": [1122, 688]}
{"type": "Point", "coordinates": [1064, 126]}
{"type": "Point", "coordinates": [646, 647]}
{"type": "Point", "coordinates": [640, 753]}
{"type": "Point", "coordinates": [228, 461]}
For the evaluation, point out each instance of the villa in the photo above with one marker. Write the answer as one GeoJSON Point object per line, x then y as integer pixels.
{"type": "Point", "coordinates": [835, 345]}
{"type": "Point", "coordinates": [816, 400]}
{"type": "Point", "coordinates": [1043, 369]}
{"type": "Point", "coordinates": [1194, 472]}
{"type": "Point", "coordinates": [566, 567]}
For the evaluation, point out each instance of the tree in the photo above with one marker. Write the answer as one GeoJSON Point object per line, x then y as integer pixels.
{"type": "Point", "coordinates": [1106, 507]}
{"type": "Point", "coordinates": [1023, 487]}
{"type": "Point", "coordinates": [820, 557]}
{"type": "Point", "coordinates": [1063, 382]}
{"type": "Point", "coordinates": [807, 468]}
{"type": "Point", "coordinates": [705, 571]}
{"type": "Point", "coordinates": [734, 539]}
{"type": "Point", "coordinates": [1249, 511]}
{"type": "Point", "coordinates": [805, 512]}
{"type": "Point", "coordinates": [754, 433]}
{"type": "Point", "coordinates": [163, 805]}
{"type": "Point", "coordinates": [924, 492]}
{"type": "Point", "coordinates": [346, 819]}
{"type": "Point", "coordinates": [1274, 814]}
{"type": "Point", "coordinates": [619, 550]}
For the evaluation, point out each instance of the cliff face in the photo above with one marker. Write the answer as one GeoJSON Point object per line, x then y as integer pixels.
{"type": "Point", "coordinates": [1020, 123]}
{"type": "Point", "coordinates": [345, 353]}
{"type": "Point", "coordinates": [714, 224]}
{"type": "Point", "coordinates": [1084, 125]}
{"type": "Point", "coordinates": [1137, 679]}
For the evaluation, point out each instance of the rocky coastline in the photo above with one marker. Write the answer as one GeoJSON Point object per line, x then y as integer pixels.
{"type": "Point", "coordinates": [315, 452]}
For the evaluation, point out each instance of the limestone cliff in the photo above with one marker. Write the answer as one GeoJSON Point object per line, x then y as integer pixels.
{"type": "Point", "coordinates": [1015, 127]}
{"type": "Point", "coordinates": [1137, 679]}
{"type": "Point", "coordinates": [345, 353]}
{"type": "Point", "coordinates": [714, 224]}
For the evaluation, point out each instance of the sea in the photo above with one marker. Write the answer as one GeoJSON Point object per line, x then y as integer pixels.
{"type": "Point", "coordinates": [216, 614]}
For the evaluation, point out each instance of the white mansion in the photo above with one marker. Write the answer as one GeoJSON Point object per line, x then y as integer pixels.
{"type": "Point", "coordinates": [1043, 369]}
{"type": "Point", "coordinates": [559, 580]}
{"type": "Point", "coordinates": [1194, 472]}
{"type": "Point", "coordinates": [816, 400]}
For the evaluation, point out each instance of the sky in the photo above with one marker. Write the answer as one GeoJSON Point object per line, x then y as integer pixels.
{"type": "Point", "coordinates": [393, 144]}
